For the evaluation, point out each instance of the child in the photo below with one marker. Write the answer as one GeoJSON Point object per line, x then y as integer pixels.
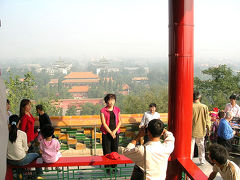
{"type": "Point", "coordinates": [218, 155]}
{"type": "Point", "coordinates": [49, 147]}
{"type": "Point", "coordinates": [214, 128]}
{"type": "Point", "coordinates": [17, 145]}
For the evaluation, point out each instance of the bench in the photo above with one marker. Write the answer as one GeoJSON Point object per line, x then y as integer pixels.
{"type": "Point", "coordinates": [72, 161]}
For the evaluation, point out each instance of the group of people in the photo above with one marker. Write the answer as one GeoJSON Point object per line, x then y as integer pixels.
{"type": "Point", "coordinates": [151, 158]}
{"type": "Point", "coordinates": [221, 135]}
{"type": "Point", "coordinates": [22, 146]}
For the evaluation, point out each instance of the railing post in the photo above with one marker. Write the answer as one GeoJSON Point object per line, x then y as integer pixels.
{"type": "Point", "coordinates": [95, 146]}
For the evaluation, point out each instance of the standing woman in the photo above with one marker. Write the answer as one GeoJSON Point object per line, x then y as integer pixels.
{"type": "Point", "coordinates": [27, 122]}
{"type": "Point", "coordinates": [111, 122]}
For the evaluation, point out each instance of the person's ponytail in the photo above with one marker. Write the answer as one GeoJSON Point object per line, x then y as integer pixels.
{"type": "Point", "coordinates": [13, 122]}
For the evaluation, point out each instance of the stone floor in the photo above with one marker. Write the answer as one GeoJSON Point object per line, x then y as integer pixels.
{"type": "Point", "coordinates": [206, 168]}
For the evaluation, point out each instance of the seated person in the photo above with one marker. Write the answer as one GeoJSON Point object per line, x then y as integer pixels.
{"type": "Point", "coordinates": [233, 107]}
{"type": "Point", "coordinates": [17, 145]}
{"type": "Point", "coordinates": [154, 152]}
{"type": "Point", "coordinates": [218, 155]}
{"type": "Point", "coordinates": [225, 132]}
{"type": "Point", "coordinates": [49, 146]}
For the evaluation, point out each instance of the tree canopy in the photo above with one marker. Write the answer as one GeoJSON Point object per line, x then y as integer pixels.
{"type": "Point", "coordinates": [221, 83]}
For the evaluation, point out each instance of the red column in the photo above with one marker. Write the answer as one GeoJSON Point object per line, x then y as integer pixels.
{"type": "Point", "coordinates": [180, 80]}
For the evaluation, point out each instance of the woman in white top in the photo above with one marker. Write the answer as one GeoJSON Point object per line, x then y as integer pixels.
{"type": "Point", "coordinates": [17, 145]}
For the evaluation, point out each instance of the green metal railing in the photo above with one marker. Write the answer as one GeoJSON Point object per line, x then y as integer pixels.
{"type": "Point", "coordinates": [77, 172]}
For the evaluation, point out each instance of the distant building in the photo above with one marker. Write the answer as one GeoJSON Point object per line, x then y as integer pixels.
{"type": "Point", "coordinates": [34, 67]}
{"type": "Point", "coordinates": [65, 104]}
{"type": "Point", "coordinates": [101, 65]}
{"type": "Point", "coordinates": [53, 82]}
{"type": "Point", "coordinates": [140, 79]}
{"type": "Point", "coordinates": [80, 79]}
{"type": "Point", "coordinates": [79, 91]}
{"type": "Point", "coordinates": [125, 90]}
{"type": "Point", "coordinates": [107, 79]}
{"type": "Point", "coordinates": [113, 70]}
{"type": "Point", "coordinates": [131, 68]}
{"type": "Point", "coordinates": [59, 67]}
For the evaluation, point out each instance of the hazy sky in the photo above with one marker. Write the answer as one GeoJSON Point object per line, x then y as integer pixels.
{"type": "Point", "coordinates": [110, 28]}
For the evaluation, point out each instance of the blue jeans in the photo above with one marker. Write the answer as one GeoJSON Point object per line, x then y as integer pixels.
{"type": "Point", "coordinates": [26, 160]}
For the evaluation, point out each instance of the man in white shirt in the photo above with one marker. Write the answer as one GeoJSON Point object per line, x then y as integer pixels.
{"type": "Point", "coordinates": [151, 159]}
{"type": "Point", "coordinates": [147, 117]}
{"type": "Point", "coordinates": [228, 169]}
{"type": "Point", "coordinates": [233, 107]}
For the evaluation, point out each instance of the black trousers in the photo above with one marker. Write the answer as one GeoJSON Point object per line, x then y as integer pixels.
{"type": "Point", "coordinates": [226, 143]}
{"type": "Point", "coordinates": [109, 144]}
{"type": "Point", "coordinates": [137, 173]}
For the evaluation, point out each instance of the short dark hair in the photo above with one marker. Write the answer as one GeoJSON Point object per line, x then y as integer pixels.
{"type": "Point", "coordinates": [218, 153]}
{"type": "Point", "coordinates": [8, 101]}
{"type": "Point", "coordinates": [221, 114]}
{"type": "Point", "coordinates": [233, 96]}
{"type": "Point", "coordinates": [152, 105]}
{"type": "Point", "coordinates": [39, 107]}
{"type": "Point", "coordinates": [196, 95]}
{"type": "Point", "coordinates": [47, 131]}
{"type": "Point", "coordinates": [109, 96]}
{"type": "Point", "coordinates": [156, 127]}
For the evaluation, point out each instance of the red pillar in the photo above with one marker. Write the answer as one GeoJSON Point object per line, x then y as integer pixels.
{"type": "Point", "coordinates": [180, 80]}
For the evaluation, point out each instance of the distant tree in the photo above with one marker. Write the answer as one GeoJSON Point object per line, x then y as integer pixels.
{"type": "Point", "coordinates": [96, 92]}
{"type": "Point", "coordinates": [90, 109]}
{"type": "Point", "coordinates": [139, 102]}
{"type": "Point", "coordinates": [49, 107]}
{"type": "Point", "coordinates": [222, 82]}
{"type": "Point", "coordinates": [72, 111]}
{"type": "Point", "coordinates": [19, 89]}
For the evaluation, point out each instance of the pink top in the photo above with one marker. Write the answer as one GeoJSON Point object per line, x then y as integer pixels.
{"type": "Point", "coordinates": [106, 113]}
{"type": "Point", "coordinates": [50, 150]}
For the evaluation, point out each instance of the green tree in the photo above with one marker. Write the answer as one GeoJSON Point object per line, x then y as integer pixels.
{"type": "Point", "coordinates": [19, 89]}
{"type": "Point", "coordinates": [49, 107]}
{"type": "Point", "coordinates": [90, 109]}
{"type": "Point", "coordinates": [222, 82]}
{"type": "Point", "coordinates": [139, 101]}
{"type": "Point", "coordinates": [96, 92]}
{"type": "Point", "coordinates": [72, 111]}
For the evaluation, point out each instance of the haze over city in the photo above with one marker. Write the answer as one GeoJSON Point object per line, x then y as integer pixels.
{"type": "Point", "coordinates": [93, 28]}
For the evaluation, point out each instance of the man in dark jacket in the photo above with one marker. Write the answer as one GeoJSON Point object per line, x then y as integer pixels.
{"type": "Point", "coordinates": [43, 117]}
